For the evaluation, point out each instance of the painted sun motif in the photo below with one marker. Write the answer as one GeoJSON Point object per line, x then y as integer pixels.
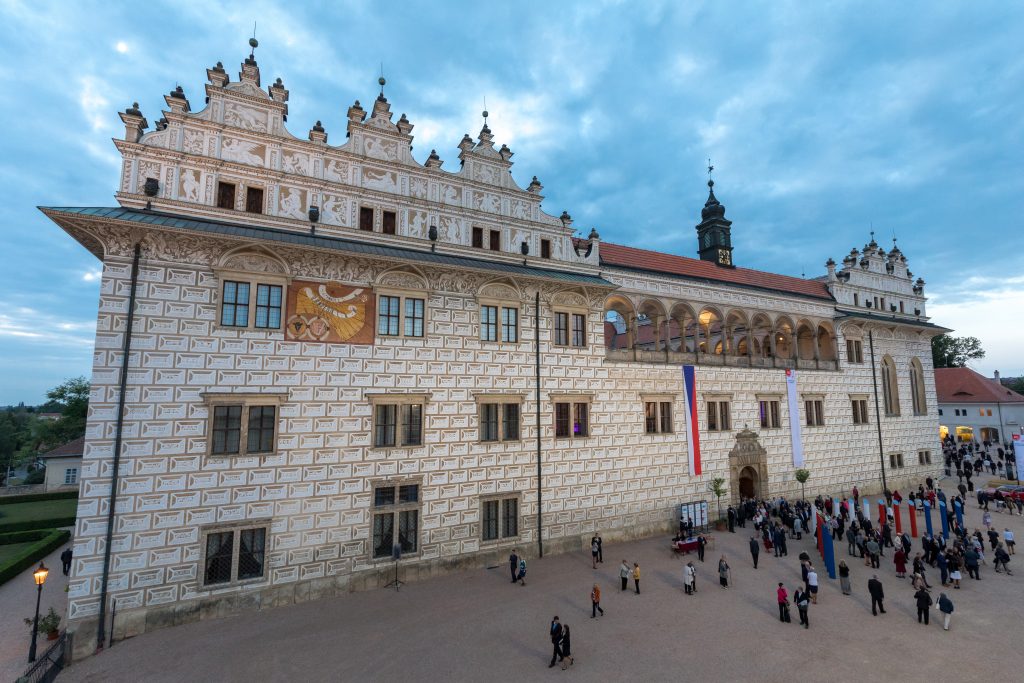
{"type": "Point", "coordinates": [330, 312]}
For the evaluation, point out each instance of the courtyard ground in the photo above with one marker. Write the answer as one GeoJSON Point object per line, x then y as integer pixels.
{"type": "Point", "coordinates": [477, 626]}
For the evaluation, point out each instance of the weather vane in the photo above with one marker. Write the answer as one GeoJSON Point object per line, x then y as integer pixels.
{"type": "Point", "coordinates": [485, 111]}
{"type": "Point", "coordinates": [381, 81]}
{"type": "Point", "coordinates": [253, 43]}
{"type": "Point", "coordinates": [710, 168]}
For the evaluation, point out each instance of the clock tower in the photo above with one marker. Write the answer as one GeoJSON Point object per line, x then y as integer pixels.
{"type": "Point", "coordinates": [714, 240]}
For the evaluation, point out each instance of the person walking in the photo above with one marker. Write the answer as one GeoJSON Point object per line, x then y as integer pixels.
{"type": "Point", "coordinates": [924, 601]}
{"type": "Point", "coordinates": [624, 574]}
{"type": "Point", "coordinates": [783, 597]}
{"type": "Point", "coordinates": [636, 577]}
{"type": "Point", "coordinates": [899, 558]}
{"type": "Point", "coordinates": [877, 595]}
{"type": "Point", "coordinates": [689, 578]}
{"type": "Point", "coordinates": [731, 514]}
{"type": "Point", "coordinates": [600, 547]}
{"type": "Point", "coordinates": [802, 600]}
{"type": "Point", "coordinates": [723, 573]}
{"type": "Point", "coordinates": [555, 631]}
{"type": "Point", "coordinates": [1001, 557]}
{"type": "Point", "coordinates": [946, 607]}
{"type": "Point", "coordinates": [522, 571]}
{"type": "Point", "coordinates": [971, 559]}
{"type": "Point", "coordinates": [593, 552]}
{"type": "Point", "coordinates": [595, 601]}
{"type": "Point", "coordinates": [844, 577]}
{"type": "Point", "coordinates": [701, 543]}
{"type": "Point", "coordinates": [566, 646]}
{"type": "Point", "coordinates": [755, 549]}
{"type": "Point", "coordinates": [513, 565]}
{"type": "Point", "coordinates": [1007, 537]}
{"type": "Point", "coordinates": [873, 551]}
{"type": "Point", "coordinates": [812, 583]}
{"type": "Point", "coordinates": [65, 558]}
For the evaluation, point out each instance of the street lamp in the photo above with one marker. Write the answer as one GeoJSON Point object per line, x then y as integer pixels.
{"type": "Point", "coordinates": [40, 576]}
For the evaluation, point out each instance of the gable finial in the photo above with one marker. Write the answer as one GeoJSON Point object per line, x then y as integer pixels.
{"type": "Point", "coordinates": [711, 183]}
{"type": "Point", "coordinates": [485, 113]}
{"type": "Point", "coordinates": [253, 43]}
{"type": "Point", "coordinates": [381, 81]}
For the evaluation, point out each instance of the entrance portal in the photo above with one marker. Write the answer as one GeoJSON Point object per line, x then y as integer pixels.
{"type": "Point", "coordinates": [748, 483]}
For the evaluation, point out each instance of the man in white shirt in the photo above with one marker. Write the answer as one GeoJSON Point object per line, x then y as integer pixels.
{"type": "Point", "coordinates": [812, 584]}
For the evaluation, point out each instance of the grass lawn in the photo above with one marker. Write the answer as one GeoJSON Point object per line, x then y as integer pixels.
{"type": "Point", "coordinates": [10, 550]}
{"type": "Point", "coordinates": [42, 509]}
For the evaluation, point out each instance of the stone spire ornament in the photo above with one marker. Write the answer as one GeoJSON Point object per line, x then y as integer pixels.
{"type": "Point", "coordinates": [714, 232]}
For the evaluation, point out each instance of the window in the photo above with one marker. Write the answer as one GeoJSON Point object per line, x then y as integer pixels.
{"type": "Point", "coordinates": [509, 324]}
{"type": "Point", "coordinates": [901, 307]}
{"type": "Point", "coordinates": [768, 410]}
{"type": "Point", "coordinates": [814, 410]}
{"type": "Point", "coordinates": [495, 240]}
{"type": "Point", "coordinates": [489, 422]}
{"type": "Point", "coordinates": [657, 415]}
{"type": "Point", "coordinates": [388, 315]}
{"type": "Point", "coordinates": [988, 412]}
{"type": "Point", "coordinates": [234, 310]}
{"type": "Point", "coordinates": [924, 457]}
{"type": "Point", "coordinates": [859, 406]}
{"type": "Point", "coordinates": [718, 416]}
{"type": "Point", "coordinates": [890, 390]}
{"type": "Point", "coordinates": [489, 323]}
{"type": "Point", "coordinates": [395, 506]}
{"type": "Point", "coordinates": [940, 412]}
{"type": "Point", "coordinates": [896, 460]}
{"type": "Point", "coordinates": [387, 225]}
{"type": "Point", "coordinates": [579, 330]}
{"type": "Point", "coordinates": [499, 518]}
{"type": "Point", "coordinates": [234, 554]}
{"type": "Point", "coordinates": [545, 248]}
{"type": "Point", "coordinates": [854, 351]}
{"type": "Point", "coordinates": [572, 419]}
{"type": "Point", "coordinates": [478, 238]}
{"type": "Point", "coordinates": [366, 218]}
{"type": "Point", "coordinates": [414, 317]}
{"type": "Point", "coordinates": [918, 401]}
{"type": "Point", "coordinates": [268, 306]}
{"type": "Point", "coordinates": [499, 419]}
{"type": "Point", "coordinates": [561, 329]}
{"type": "Point", "coordinates": [71, 475]}
{"type": "Point", "coordinates": [398, 420]}
{"type": "Point", "coordinates": [856, 299]}
{"type": "Point", "coordinates": [225, 195]}
{"type": "Point", "coordinates": [254, 200]}
{"type": "Point", "coordinates": [241, 424]}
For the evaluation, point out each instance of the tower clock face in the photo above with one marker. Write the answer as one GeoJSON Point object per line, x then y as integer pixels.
{"type": "Point", "coordinates": [724, 257]}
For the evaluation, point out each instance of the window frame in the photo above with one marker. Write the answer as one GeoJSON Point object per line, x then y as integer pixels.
{"type": "Point", "coordinates": [573, 401]}
{"type": "Point", "coordinates": [250, 191]}
{"type": "Point", "coordinates": [403, 404]}
{"type": "Point", "coordinates": [855, 350]}
{"type": "Point", "coordinates": [500, 306]}
{"type": "Point", "coordinates": [860, 418]}
{"type": "Point", "coordinates": [234, 195]}
{"type": "Point", "coordinates": [659, 402]}
{"type": "Point", "coordinates": [236, 528]}
{"type": "Point", "coordinates": [502, 536]}
{"type": "Point", "coordinates": [254, 280]}
{"type": "Point", "coordinates": [404, 296]}
{"type": "Point", "coordinates": [70, 473]}
{"type": "Point", "coordinates": [395, 508]}
{"type": "Point", "coordinates": [572, 334]}
{"type": "Point", "coordinates": [367, 211]}
{"type": "Point", "coordinates": [814, 410]}
{"type": "Point", "coordinates": [896, 461]}
{"type": "Point", "coordinates": [545, 248]}
{"type": "Point", "coordinates": [501, 401]}
{"type": "Point", "coordinates": [769, 400]}
{"type": "Point", "coordinates": [722, 419]}
{"type": "Point", "coordinates": [924, 457]}
{"type": "Point", "coordinates": [246, 400]}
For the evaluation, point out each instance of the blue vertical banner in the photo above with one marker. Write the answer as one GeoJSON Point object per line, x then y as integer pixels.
{"type": "Point", "coordinates": [959, 509]}
{"type": "Point", "coordinates": [928, 516]}
{"type": "Point", "coordinates": [944, 518]}
{"type": "Point", "coordinates": [829, 553]}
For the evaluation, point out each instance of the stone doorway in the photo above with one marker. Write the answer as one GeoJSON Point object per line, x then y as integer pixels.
{"type": "Point", "coordinates": [748, 468]}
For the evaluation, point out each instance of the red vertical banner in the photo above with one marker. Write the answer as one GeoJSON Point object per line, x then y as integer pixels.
{"type": "Point", "coordinates": [913, 518]}
{"type": "Point", "coordinates": [882, 517]}
{"type": "Point", "coordinates": [896, 515]}
{"type": "Point", "coordinates": [820, 543]}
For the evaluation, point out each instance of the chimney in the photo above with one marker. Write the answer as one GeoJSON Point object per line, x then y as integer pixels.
{"type": "Point", "coordinates": [995, 375]}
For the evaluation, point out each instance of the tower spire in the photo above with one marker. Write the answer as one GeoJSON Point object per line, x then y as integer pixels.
{"type": "Point", "coordinates": [714, 234]}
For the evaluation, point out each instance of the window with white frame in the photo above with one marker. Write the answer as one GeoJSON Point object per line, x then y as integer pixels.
{"type": "Point", "coordinates": [242, 423]}
{"type": "Point", "coordinates": [234, 553]}
{"type": "Point", "coordinates": [249, 300]}
{"type": "Point", "coordinates": [71, 475]}
{"type": "Point", "coordinates": [400, 315]}
{"type": "Point", "coordinates": [499, 517]}
{"type": "Point", "coordinates": [396, 518]}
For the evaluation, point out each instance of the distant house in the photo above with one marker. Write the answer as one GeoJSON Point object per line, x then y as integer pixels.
{"type": "Point", "coordinates": [63, 465]}
{"type": "Point", "coordinates": [972, 406]}
{"type": "Point", "coordinates": [51, 417]}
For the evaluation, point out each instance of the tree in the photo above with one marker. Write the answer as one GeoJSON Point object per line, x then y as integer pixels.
{"type": "Point", "coordinates": [1014, 384]}
{"type": "Point", "coordinates": [72, 399]}
{"type": "Point", "coordinates": [955, 352]}
{"type": "Point", "coordinates": [802, 476]}
{"type": "Point", "coordinates": [717, 487]}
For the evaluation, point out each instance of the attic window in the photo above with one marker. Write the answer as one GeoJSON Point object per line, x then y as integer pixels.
{"type": "Point", "coordinates": [478, 238]}
{"type": "Point", "coordinates": [545, 248]}
{"type": "Point", "coordinates": [388, 223]}
{"type": "Point", "coordinates": [495, 238]}
{"type": "Point", "coordinates": [366, 218]}
{"type": "Point", "coordinates": [225, 195]}
{"type": "Point", "coordinates": [254, 199]}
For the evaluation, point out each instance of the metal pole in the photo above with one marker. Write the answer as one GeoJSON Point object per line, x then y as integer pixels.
{"type": "Point", "coordinates": [35, 626]}
{"type": "Point", "coordinates": [536, 337]}
{"type": "Point", "coordinates": [125, 352]}
{"type": "Point", "coordinates": [878, 414]}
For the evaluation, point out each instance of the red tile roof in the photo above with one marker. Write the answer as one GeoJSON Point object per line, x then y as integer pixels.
{"type": "Point", "coordinates": [72, 449]}
{"type": "Point", "coordinates": [963, 385]}
{"type": "Point", "coordinates": [654, 261]}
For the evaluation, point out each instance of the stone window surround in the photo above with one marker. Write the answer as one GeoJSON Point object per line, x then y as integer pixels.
{"type": "Point", "coordinates": [246, 400]}
{"type": "Point", "coordinates": [402, 294]}
{"type": "Point", "coordinates": [717, 398]}
{"type": "Point", "coordinates": [500, 304]}
{"type": "Point", "coordinates": [241, 525]}
{"type": "Point", "coordinates": [658, 399]}
{"type": "Point", "coordinates": [242, 185]}
{"type": "Point", "coordinates": [482, 398]}
{"type": "Point", "coordinates": [501, 540]}
{"type": "Point", "coordinates": [570, 311]}
{"type": "Point", "coordinates": [896, 460]}
{"type": "Point", "coordinates": [254, 279]}
{"type": "Point", "coordinates": [395, 482]}
{"type": "Point", "coordinates": [400, 399]}
{"type": "Point", "coordinates": [571, 398]}
{"type": "Point", "coordinates": [924, 457]}
{"type": "Point", "coordinates": [777, 398]}
{"type": "Point", "coordinates": [816, 398]}
{"type": "Point", "coordinates": [861, 397]}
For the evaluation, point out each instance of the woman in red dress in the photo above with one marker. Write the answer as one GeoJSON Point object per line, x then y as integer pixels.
{"type": "Point", "coordinates": [900, 560]}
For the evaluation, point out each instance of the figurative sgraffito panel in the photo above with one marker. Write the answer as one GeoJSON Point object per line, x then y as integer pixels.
{"type": "Point", "coordinates": [330, 312]}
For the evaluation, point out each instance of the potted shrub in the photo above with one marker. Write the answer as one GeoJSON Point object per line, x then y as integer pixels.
{"type": "Point", "coordinates": [48, 624]}
{"type": "Point", "coordinates": [717, 487]}
{"type": "Point", "coordinates": [802, 476]}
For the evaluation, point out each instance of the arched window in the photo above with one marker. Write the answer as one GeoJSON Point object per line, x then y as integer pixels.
{"type": "Point", "coordinates": [917, 387]}
{"type": "Point", "coordinates": [890, 390]}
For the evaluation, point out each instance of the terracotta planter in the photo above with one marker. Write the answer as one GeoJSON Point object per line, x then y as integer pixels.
{"type": "Point", "coordinates": [53, 635]}
{"type": "Point", "coordinates": [720, 525]}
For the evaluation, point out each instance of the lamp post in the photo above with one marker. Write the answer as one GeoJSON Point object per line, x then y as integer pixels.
{"type": "Point", "coordinates": [40, 576]}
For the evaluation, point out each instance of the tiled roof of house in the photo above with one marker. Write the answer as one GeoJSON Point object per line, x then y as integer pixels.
{"type": "Point", "coordinates": [963, 385]}
{"type": "Point", "coordinates": [617, 255]}
{"type": "Point", "coordinates": [72, 449]}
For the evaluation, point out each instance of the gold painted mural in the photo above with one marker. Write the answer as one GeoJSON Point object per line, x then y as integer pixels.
{"type": "Point", "coordinates": [330, 312]}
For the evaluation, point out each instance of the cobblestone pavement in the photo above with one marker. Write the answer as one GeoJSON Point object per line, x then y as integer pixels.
{"type": "Point", "coordinates": [477, 626]}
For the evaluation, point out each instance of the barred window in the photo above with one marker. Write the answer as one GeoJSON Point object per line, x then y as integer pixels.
{"type": "Point", "coordinates": [718, 416]}
{"type": "Point", "coordinates": [489, 323]}
{"type": "Point", "coordinates": [510, 422]}
{"type": "Point", "coordinates": [233, 554]}
{"type": "Point", "coordinates": [561, 329]}
{"type": "Point", "coordinates": [499, 518]}
{"type": "Point", "coordinates": [388, 313]}
{"type": "Point", "coordinates": [579, 329]}
{"type": "Point", "coordinates": [414, 317]}
{"type": "Point", "coordinates": [242, 423]}
{"type": "Point", "coordinates": [395, 508]}
{"type": "Point", "coordinates": [510, 324]}
{"type": "Point", "coordinates": [262, 423]}
{"type": "Point", "coordinates": [227, 430]}
{"type": "Point", "coordinates": [768, 410]}
{"type": "Point", "coordinates": [234, 310]}
{"type": "Point", "coordinates": [268, 306]}
{"type": "Point", "coordinates": [489, 422]}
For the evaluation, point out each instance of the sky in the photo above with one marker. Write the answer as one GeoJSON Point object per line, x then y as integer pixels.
{"type": "Point", "coordinates": [823, 120]}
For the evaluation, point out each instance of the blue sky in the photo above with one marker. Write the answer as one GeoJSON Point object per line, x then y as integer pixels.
{"type": "Point", "coordinates": [822, 120]}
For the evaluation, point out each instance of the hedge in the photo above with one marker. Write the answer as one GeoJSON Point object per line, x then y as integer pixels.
{"type": "Point", "coordinates": [33, 497]}
{"type": "Point", "coordinates": [30, 525]}
{"type": "Point", "coordinates": [23, 536]}
{"type": "Point", "coordinates": [38, 550]}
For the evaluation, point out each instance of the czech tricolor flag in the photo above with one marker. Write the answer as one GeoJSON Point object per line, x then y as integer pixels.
{"type": "Point", "coordinates": [692, 435]}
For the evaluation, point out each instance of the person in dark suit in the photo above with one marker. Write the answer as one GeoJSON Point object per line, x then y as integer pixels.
{"type": "Point", "coordinates": [731, 513]}
{"type": "Point", "coordinates": [924, 601]}
{"type": "Point", "coordinates": [755, 549]}
{"type": "Point", "coordinates": [877, 595]}
{"type": "Point", "coordinates": [513, 564]}
{"type": "Point", "coordinates": [65, 560]}
{"type": "Point", "coordinates": [555, 632]}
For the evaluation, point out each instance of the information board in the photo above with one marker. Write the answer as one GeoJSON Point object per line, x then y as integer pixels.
{"type": "Point", "coordinates": [697, 512]}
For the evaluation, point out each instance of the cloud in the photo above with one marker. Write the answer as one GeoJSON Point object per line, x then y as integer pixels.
{"type": "Point", "coordinates": [92, 275]}
{"type": "Point", "coordinates": [95, 107]}
{"type": "Point", "coordinates": [121, 47]}
{"type": "Point", "coordinates": [985, 307]}
{"type": "Point", "coordinates": [46, 329]}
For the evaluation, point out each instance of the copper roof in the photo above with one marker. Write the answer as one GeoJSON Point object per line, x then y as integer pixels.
{"type": "Point", "coordinates": [963, 385]}
{"type": "Point", "coordinates": [617, 255]}
{"type": "Point", "coordinates": [72, 449]}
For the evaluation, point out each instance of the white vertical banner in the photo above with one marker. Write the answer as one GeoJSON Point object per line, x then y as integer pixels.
{"type": "Point", "coordinates": [794, 418]}
{"type": "Point", "coordinates": [1018, 453]}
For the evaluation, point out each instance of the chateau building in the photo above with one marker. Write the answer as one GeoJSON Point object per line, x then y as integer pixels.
{"type": "Point", "coordinates": [976, 408]}
{"type": "Point", "coordinates": [312, 356]}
